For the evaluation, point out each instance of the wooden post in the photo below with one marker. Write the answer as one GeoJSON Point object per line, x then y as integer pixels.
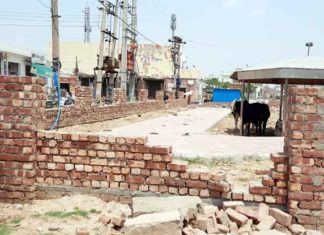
{"type": "Point", "coordinates": [241, 111]}
{"type": "Point", "coordinates": [248, 91]}
{"type": "Point", "coordinates": [281, 98]}
{"type": "Point", "coordinates": [285, 113]}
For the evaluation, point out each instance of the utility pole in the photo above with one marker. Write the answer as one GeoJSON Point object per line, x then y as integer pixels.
{"type": "Point", "coordinates": [131, 93]}
{"type": "Point", "coordinates": [87, 26]}
{"type": "Point", "coordinates": [113, 46]}
{"type": "Point", "coordinates": [309, 45]}
{"type": "Point", "coordinates": [175, 51]}
{"type": "Point", "coordinates": [55, 41]}
{"type": "Point", "coordinates": [101, 51]}
{"type": "Point", "coordinates": [123, 67]}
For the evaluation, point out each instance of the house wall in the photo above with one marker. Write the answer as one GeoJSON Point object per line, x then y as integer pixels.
{"type": "Point", "coordinates": [16, 59]}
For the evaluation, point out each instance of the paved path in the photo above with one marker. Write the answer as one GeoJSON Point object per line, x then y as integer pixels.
{"type": "Point", "coordinates": [186, 132]}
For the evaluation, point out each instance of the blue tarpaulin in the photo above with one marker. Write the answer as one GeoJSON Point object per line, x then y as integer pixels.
{"type": "Point", "coordinates": [226, 95]}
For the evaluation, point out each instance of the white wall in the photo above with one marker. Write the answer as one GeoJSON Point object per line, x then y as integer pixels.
{"type": "Point", "coordinates": [19, 59]}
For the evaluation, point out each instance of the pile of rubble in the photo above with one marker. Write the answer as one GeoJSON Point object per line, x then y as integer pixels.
{"type": "Point", "coordinates": [236, 218]}
{"type": "Point", "coordinates": [190, 216]}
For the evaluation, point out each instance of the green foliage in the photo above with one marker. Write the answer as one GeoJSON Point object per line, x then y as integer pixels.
{"type": "Point", "coordinates": [16, 220]}
{"type": "Point", "coordinates": [4, 229]}
{"type": "Point", "coordinates": [214, 82]}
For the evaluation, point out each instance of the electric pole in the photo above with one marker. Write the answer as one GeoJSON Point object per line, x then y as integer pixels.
{"type": "Point", "coordinates": [309, 45]}
{"type": "Point", "coordinates": [87, 26]}
{"type": "Point", "coordinates": [123, 67]}
{"type": "Point", "coordinates": [55, 41]}
{"type": "Point", "coordinates": [101, 51]}
{"type": "Point", "coordinates": [113, 46]}
{"type": "Point", "coordinates": [175, 52]}
{"type": "Point", "coordinates": [133, 49]}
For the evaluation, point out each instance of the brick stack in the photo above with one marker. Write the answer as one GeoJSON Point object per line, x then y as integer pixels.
{"type": "Point", "coordinates": [119, 96]}
{"type": "Point", "coordinates": [92, 161]}
{"type": "Point", "coordinates": [273, 188]}
{"type": "Point", "coordinates": [159, 95]}
{"type": "Point", "coordinates": [142, 95]}
{"type": "Point", "coordinates": [22, 104]}
{"type": "Point", "coordinates": [305, 147]}
{"type": "Point", "coordinates": [83, 95]}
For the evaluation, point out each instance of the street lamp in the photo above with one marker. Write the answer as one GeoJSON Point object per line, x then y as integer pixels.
{"type": "Point", "coordinates": [309, 45]}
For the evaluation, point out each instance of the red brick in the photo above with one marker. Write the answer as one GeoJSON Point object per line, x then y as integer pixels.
{"type": "Point", "coordinates": [155, 181]}
{"type": "Point", "coordinates": [156, 165]}
{"type": "Point", "coordinates": [219, 186]}
{"type": "Point", "coordinates": [301, 196]}
{"type": "Point", "coordinates": [304, 219]}
{"type": "Point", "coordinates": [313, 171]}
{"type": "Point", "coordinates": [281, 217]}
{"type": "Point", "coordinates": [134, 179]}
{"type": "Point", "coordinates": [247, 212]}
{"type": "Point", "coordinates": [313, 153]}
{"type": "Point", "coordinates": [159, 150]}
{"type": "Point", "coordinates": [267, 181]}
{"type": "Point", "coordinates": [313, 205]}
{"type": "Point", "coordinates": [178, 166]}
{"type": "Point", "coordinates": [236, 217]}
{"type": "Point", "coordinates": [175, 182]}
{"type": "Point", "coordinates": [279, 158]}
{"type": "Point", "coordinates": [312, 188]}
{"type": "Point", "coordinates": [196, 184]}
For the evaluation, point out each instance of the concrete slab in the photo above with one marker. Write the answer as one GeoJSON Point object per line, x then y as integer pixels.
{"type": "Point", "coordinates": [187, 133]}
{"type": "Point", "coordinates": [155, 224]}
{"type": "Point", "coordinates": [146, 205]}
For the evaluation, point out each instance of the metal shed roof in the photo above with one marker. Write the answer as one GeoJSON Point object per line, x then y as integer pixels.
{"type": "Point", "coordinates": [300, 71]}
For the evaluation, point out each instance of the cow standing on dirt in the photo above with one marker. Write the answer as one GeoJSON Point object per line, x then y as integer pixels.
{"type": "Point", "coordinates": [256, 113]}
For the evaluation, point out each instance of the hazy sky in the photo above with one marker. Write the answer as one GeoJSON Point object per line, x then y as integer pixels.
{"type": "Point", "coordinates": [221, 35]}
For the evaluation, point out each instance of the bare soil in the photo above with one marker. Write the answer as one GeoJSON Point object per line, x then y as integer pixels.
{"type": "Point", "coordinates": [53, 217]}
{"type": "Point", "coordinates": [227, 125]}
{"type": "Point", "coordinates": [238, 173]}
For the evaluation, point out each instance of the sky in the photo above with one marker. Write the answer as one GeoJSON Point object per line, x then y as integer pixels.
{"type": "Point", "coordinates": [221, 35]}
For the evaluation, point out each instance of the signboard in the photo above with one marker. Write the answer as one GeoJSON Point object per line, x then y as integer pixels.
{"type": "Point", "coordinates": [41, 71]}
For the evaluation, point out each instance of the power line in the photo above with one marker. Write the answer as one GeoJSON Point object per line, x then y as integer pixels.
{"type": "Point", "coordinates": [44, 5]}
{"type": "Point", "coordinates": [136, 31]}
{"type": "Point", "coordinates": [40, 25]}
{"type": "Point", "coordinates": [39, 20]}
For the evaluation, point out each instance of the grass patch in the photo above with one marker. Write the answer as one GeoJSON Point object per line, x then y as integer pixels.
{"type": "Point", "coordinates": [4, 229]}
{"type": "Point", "coordinates": [66, 214]}
{"type": "Point", "coordinates": [16, 220]}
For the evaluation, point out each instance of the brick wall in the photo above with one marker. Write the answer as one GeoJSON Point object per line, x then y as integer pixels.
{"type": "Point", "coordinates": [83, 95]}
{"type": "Point", "coordinates": [305, 148]}
{"type": "Point", "coordinates": [75, 114]}
{"type": "Point", "coordinates": [92, 161]}
{"type": "Point", "coordinates": [159, 95]}
{"type": "Point", "coordinates": [119, 96]}
{"type": "Point", "coordinates": [142, 95]}
{"type": "Point", "coordinates": [22, 104]}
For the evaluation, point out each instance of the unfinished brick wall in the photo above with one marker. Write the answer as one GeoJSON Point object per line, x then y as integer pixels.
{"type": "Point", "coordinates": [83, 95]}
{"type": "Point", "coordinates": [22, 105]}
{"type": "Point", "coordinates": [142, 95]}
{"type": "Point", "coordinates": [74, 115]}
{"type": "Point", "coordinates": [159, 95]}
{"type": "Point", "coordinates": [305, 148]}
{"type": "Point", "coordinates": [82, 160]}
{"type": "Point", "coordinates": [119, 96]}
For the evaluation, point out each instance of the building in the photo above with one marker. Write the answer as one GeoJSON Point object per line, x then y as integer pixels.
{"type": "Point", "coordinates": [155, 70]}
{"type": "Point", "coordinates": [14, 61]}
{"type": "Point", "coordinates": [153, 65]}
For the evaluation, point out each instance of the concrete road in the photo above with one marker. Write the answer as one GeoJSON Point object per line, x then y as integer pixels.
{"type": "Point", "coordinates": [187, 133]}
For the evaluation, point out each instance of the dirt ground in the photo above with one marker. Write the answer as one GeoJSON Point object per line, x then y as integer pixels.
{"type": "Point", "coordinates": [53, 217]}
{"type": "Point", "coordinates": [227, 126]}
{"type": "Point", "coordinates": [109, 124]}
{"type": "Point", "coordinates": [238, 173]}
